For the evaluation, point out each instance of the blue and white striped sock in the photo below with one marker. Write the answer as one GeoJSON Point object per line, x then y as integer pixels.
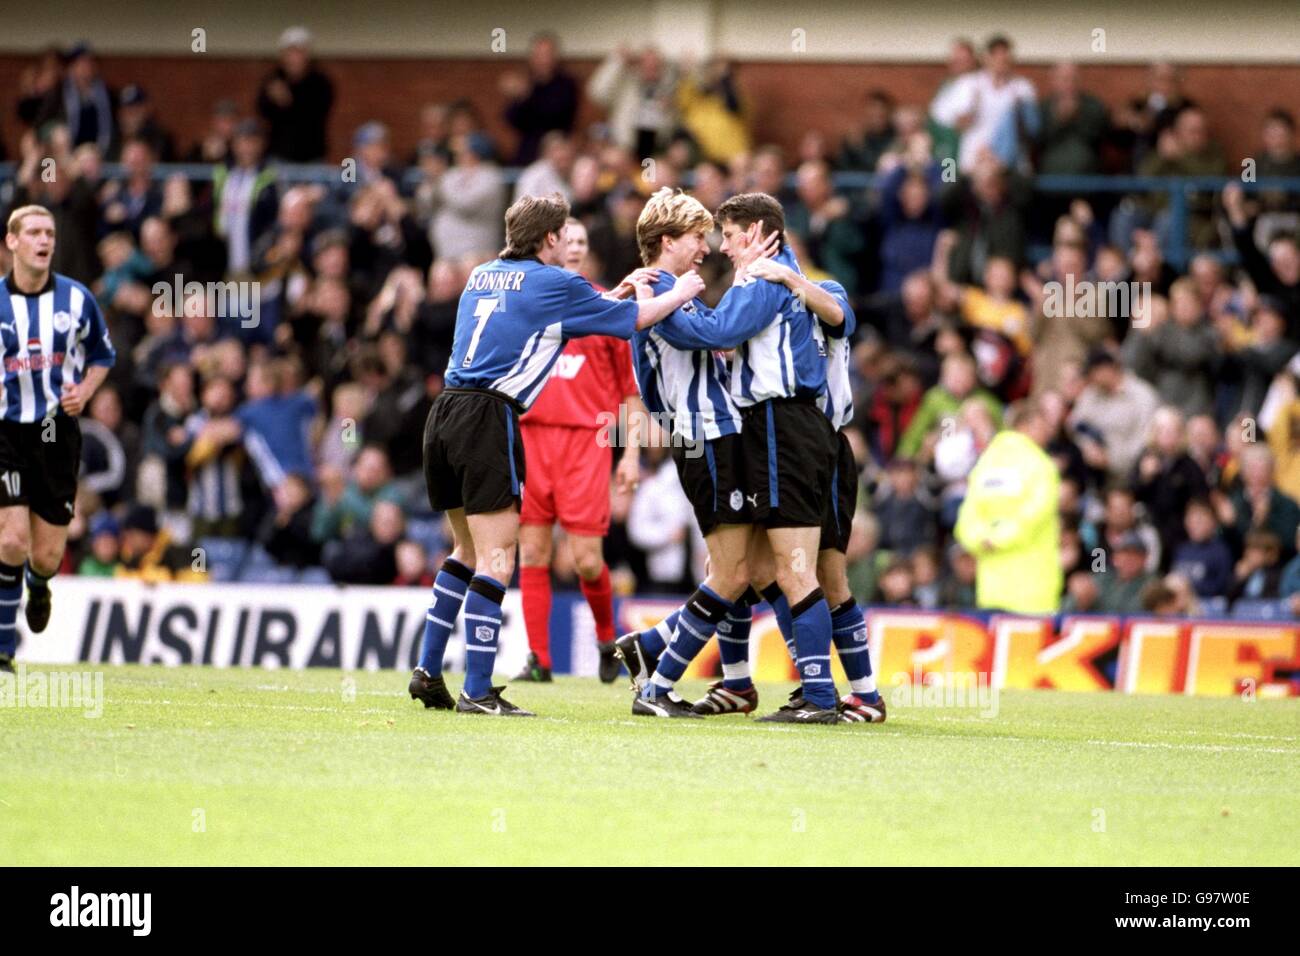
{"type": "Point", "coordinates": [812, 636]}
{"type": "Point", "coordinates": [448, 595]}
{"type": "Point", "coordinates": [656, 638]}
{"type": "Point", "coordinates": [482, 629]}
{"type": "Point", "coordinates": [733, 642]}
{"type": "Point", "coordinates": [849, 632]}
{"type": "Point", "coordinates": [781, 608]}
{"type": "Point", "coordinates": [699, 617]}
{"type": "Point", "coordinates": [11, 595]}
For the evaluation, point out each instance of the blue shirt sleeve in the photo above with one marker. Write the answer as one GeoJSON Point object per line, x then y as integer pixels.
{"type": "Point", "coordinates": [745, 310]}
{"type": "Point", "coordinates": [99, 347]}
{"type": "Point", "coordinates": [587, 312]}
{"type": "Point", "coordinates": [845, 329]}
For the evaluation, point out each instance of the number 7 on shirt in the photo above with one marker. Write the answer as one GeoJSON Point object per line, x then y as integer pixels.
{"type": "Point", "coordinates": [483, 309]}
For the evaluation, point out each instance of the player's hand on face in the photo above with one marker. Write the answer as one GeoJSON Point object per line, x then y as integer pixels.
{"type": "Point", "coordinates": [771, 270]}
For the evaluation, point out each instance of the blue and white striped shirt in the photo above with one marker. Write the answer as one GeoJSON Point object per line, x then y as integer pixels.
{"type": "Point", "coordinates": [837, 401]}
{"type": "Point", "coordinates": [787, 357]}
{"type": "Point", "coordinates": [679, 375]}
{"type": "Point", "coordinates": [48, 338]}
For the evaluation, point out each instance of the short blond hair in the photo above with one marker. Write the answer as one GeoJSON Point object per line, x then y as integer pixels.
{"type": "Point", "coordinates": [22, 212]}
{"type": "Point", "coordinates": [669, 212]}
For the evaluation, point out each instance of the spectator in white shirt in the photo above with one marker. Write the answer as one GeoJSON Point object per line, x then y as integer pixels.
{"type": "Point", "coordinates": [987, 107]}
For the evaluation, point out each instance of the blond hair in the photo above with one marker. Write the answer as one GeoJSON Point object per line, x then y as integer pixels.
{"type": "Point", "coordinates": [22, 212]}
{"type": "Point", "coordinates": [669, 212]}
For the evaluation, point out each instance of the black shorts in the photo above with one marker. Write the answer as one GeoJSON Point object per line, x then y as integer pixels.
{"type": "Point", "coordinates": [473, 452]}
{"type": "Point", "coordinates": [713, 476]}
{"type": "Point", "coordinates": [789, 461]}
{"type": "Point", "coordinates": [39, 465]}
{"type": "Point", "coordinates": [842, 502]}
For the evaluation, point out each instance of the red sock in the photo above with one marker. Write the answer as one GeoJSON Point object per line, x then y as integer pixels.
{"type": "Point", "coordinates": [600, 598]}
{"type": "Point", "coordinates": [535, 587]}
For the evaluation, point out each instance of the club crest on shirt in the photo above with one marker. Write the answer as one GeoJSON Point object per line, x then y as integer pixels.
{"type": "Point", "coordinates": [62, 321]}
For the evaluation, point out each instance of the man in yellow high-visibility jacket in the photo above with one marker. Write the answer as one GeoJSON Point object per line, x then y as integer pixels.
{"type": "Point", "coordinates": [1009, 519]}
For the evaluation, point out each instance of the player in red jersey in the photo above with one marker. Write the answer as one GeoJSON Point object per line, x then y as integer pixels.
{"type": "Point", "coordinates": [568, 459]}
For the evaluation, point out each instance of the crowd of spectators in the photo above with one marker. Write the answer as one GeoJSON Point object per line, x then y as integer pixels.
{"type": "Point", "coordinates": [297, 434]}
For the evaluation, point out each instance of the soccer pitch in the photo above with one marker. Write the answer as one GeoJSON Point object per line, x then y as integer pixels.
{"type": "Point", "coordinates": [195, 765]}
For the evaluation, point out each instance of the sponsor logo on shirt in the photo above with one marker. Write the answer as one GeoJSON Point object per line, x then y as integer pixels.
{"type": "Point", "coordinates": [568, 366]}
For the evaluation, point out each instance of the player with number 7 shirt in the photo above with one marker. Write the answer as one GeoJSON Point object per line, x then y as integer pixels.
{"type": "Point", "coordinates": [515, 315]}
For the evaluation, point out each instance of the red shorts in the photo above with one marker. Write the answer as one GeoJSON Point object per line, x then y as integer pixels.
{"type": "Point", "coordinates": [568, 479]}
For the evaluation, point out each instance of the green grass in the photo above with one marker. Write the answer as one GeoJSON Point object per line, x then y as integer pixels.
{"type": "Point", "coordinates": [281, 767]}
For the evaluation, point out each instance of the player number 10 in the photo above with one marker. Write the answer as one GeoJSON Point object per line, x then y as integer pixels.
{"type": "Point", "coordinates": [12, 480]}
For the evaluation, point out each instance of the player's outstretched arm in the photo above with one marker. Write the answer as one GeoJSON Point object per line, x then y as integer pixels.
{"type": "Point", "coordinates": [820, 302]}
{"type": "Point", "coordinates": [652, 310]}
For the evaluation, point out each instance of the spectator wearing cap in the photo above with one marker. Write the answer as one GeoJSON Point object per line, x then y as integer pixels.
{"type": "Point", "coordinates": [1118, 406]}
{"type": "Point", "coordinates": [102, 559]}
{"type": "Point", "coordinates": [149, 552]}
{"type": "Point", "coordinates": [295, 100]}
{"type": "Point", "coordinates": [213, 146]}
{"type": "Point", "coordinates": [244, 197]}
{"type": "Point", "coordinates": [83, 102]}
{"type": "Point", "coordinates": [1121, 516]}
{"type": "Point", "coordinates": [1119, 587]}
{"type": "Point", "coordinates": [135, 120]}
{"type": "Point", "coordinates": [542, 101]}
{"type": "Point", "coordinates": [466, 202]}
{"type": "Point", "coordinates": [373, 152]}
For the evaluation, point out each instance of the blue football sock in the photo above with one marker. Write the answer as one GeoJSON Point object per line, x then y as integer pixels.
{"type": "Point", "coordinates": [812, 637]}
{"type": "Point", "coordinates": [656, 638]}
{"type": "Point", "coordinates": [11, 595]}
{"type": "Point", "coordinates": [482, 628]}
{"type": "Point", "coordinates": [733, 646]}
{"type": "Point", "coordinates": [448, 595]}
{"type": "Point", "coordinates": [700, 615]}
{"type": "Point", "coordinates": [849, 632]}
{"type": "Point", "coordinates": [781, 608]}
